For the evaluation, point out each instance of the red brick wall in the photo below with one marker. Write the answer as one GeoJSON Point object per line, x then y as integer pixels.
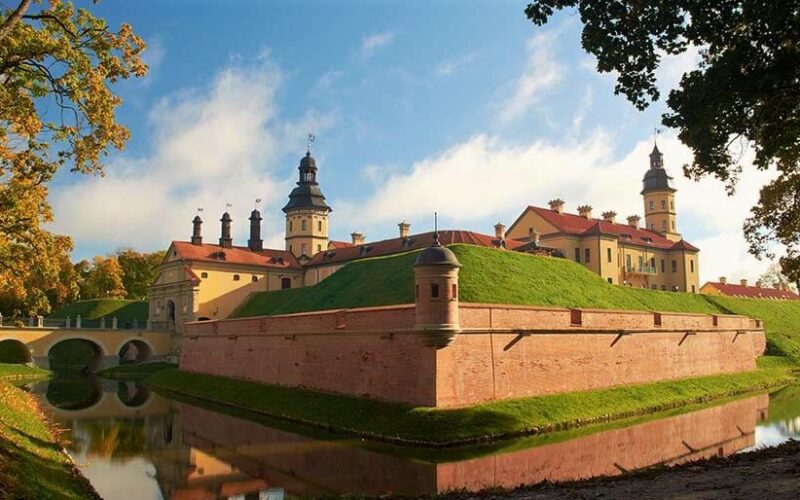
{"type": "Point", "coordinates": [375, 352]}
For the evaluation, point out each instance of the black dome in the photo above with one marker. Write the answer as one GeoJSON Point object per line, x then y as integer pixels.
{"type": "Point", "coordinates": [308, 161]}
{"type": "Point", "coordinates": [657, 179]}
{"type": "Point", "coordinates": [307, 194]}
{"type": "Point", "coordinates": [437, 256]}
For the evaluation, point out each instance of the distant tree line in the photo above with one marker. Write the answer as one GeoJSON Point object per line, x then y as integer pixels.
{"type": "Point", "coordinates": [124, 274]}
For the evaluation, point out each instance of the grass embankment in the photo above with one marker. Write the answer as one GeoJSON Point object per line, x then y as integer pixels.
{"type": "Point", "coordinates": [403, 424]}
{"type": "Point", "coordinates": [22, 372]}
{"type": "Point", "coordinates": [32, 462]}
{"type": "Point", "coordinates": [484, 278]}
{"type": "Point", "coordinates": [94, 309]}
{"type": "Point", "coordinates": [135, 372]}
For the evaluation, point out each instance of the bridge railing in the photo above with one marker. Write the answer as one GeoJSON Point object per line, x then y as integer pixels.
{"type": "Point", "coordinates": [103, 323]}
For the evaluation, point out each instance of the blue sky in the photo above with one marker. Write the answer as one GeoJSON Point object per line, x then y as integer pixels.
{"type": "Point", "coordinates": [465, 108]}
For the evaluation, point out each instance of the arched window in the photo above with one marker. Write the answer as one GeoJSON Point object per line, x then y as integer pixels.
{"type": "Point", "coordinates": [434, 291]}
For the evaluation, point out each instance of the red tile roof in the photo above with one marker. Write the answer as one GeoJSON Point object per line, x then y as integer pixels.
{"type": "Point", "coordinates": [279, 259]}
{"type": "Point", "coordinates": [578, 225]}
{"type": "Point", "coordinates": [753, 292]}
{"type": "Point", "coordinates": [339, 244]}
{"type": "Point", "coordinates": [413, 242]}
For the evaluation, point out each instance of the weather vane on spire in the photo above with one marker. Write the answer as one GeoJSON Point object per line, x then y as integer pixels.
{"type": "Point", "coordinates": [258, 202]}
{"type": "Point", "coordinates": [656, 133]}
{"type": "Point", "coordinates": [311, 138]}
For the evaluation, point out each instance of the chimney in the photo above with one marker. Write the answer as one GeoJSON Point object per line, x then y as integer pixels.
{"type": "Point", "coordinates": [759, 284]}
{"type": "Point", "coordinates": [585, 211]}
{"type": "Point", "coordinates": [610, 216]}
{"type": "Point", "coordinates": [225, 239]}
{"type": "Point", "coordinates": [197, 233]}
{"type": "Point", "coordinates": [405, 229]}
{"type": "Point", "coordinates": [743, 282]}
{"type": "Point", "coordinates": [633, 220]}
{"type": "Point", "coordinates": [723, 280]}
{"type": "Point", "coordinates": [499, 231]}
{"type": "Point", "coordinates": [255, 243]}
{"type": "Point", "coordinates": [358, 238]}
{"type": "Point", "coordinates": [557, 205]}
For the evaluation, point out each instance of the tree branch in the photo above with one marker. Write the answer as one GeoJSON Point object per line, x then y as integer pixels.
{"type": "Point", "coordinates": [13, 19]}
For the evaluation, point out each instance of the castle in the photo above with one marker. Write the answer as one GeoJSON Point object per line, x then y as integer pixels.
{"type": "Point", "coordinates": [203, 281]}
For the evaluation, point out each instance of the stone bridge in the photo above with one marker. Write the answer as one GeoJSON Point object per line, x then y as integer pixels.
{"type": "Point", "coordinates": [110, 346]}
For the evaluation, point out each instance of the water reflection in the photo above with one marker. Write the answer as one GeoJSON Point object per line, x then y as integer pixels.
{"type": "Point", "coordinates": [135, 444]}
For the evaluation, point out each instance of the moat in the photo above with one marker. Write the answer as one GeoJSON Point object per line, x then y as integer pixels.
{"type": "Point", "coordinates": [132, 443]}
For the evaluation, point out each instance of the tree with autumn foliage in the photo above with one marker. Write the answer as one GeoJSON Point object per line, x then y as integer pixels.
{"type": "Point", "coordinates": [57, 109]}
{"type": "Point", "coordinates": [103, 280]}
{"type": "Point", "coordinates": [744, 94]}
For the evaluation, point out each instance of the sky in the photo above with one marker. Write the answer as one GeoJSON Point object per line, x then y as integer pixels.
{"type": "Point", "coordinates": [464, 108]}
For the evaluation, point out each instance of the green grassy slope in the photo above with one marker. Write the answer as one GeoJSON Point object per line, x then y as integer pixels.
{"type": "Point", "coordinates": [781, 321]}
{"type": "Point", "coordinates": [486, 277]}
{"type": "Point", "coordinates": [124, 310]}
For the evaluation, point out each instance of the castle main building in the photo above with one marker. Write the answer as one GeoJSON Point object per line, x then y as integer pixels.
{"type": "Point", "coordinates": [201, 281]}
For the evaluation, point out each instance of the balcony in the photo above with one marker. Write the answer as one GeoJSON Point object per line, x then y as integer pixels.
{"type": "Point", "coordinates": [642, 269]}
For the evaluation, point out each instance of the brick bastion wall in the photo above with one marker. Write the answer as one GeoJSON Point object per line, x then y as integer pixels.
{"type": "Point", "coordinates": [499, 351]}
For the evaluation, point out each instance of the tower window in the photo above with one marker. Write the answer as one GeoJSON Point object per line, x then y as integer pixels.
{"type": "Point", "coordinates": [303, 225]}
{"type": "Point", "coordinates": [416, 291]}
{"type": "Point", "coordinates": [672, 205]}
{"type": "Point", "coordinates": [663, 203]}
{"type": "Point", "coordinates": [663, 224]}
{"type": "Point", "coordinates": [454, 291]}
{"type": "Point", "coordinates": [204, 275]}
{"type": "Point", "coordinates": [291, 226]}
{"type": "Point", "coordinates": [303, 249]}
{"type": "Point", "coordinates": [319, 248]}
{"type": "Point", "coordinates": [319, 225]}
{"type": "Point", "coordinates": [434, 291]}
{"type": "Point", "coordinates": [235, 277]}
{"type": "Point", "coordinates": [673, 224]}
{"type": "Point", "coordinates": [652, 205]}
{"type": "Point", "coordinates": [608, 251]}
{"type": "Point", "coordinates": [691, 265]}
{"type": "Point", "coordinates": [663, 266]}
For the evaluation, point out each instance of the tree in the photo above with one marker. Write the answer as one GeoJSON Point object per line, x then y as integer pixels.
{"type": "Point", "coordinates": [103, 280]}
{"type": "Point", "coordinates": [773, 277]}
{"type": "Point", "coordinates": [139, 271]}
{"type": "Point", "coordinates": [57, 65]}
{"type": "Point", "coordinates": [745, 92]}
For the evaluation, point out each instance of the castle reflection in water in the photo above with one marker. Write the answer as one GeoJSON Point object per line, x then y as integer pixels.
{"type": "Point", "coordinates": [196, 453]}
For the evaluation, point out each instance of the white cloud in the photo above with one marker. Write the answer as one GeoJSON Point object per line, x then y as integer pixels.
{"type": "Point", "coordinates": [449, 67]}
{"type": "Point", "coordinates": [542, 73]}
{"type": "Point", "coordinates": [326, 80]}
{"type": "Point", "coordinates": [486, 178]}
{"type": "Point", "coordinates": [211, 146]}
{"type": "Point", "coordinates": [370, 43]}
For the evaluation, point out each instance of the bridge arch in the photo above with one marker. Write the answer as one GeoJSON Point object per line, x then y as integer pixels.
{"type": "Point", "coordinates": [135, 350]}
{"type": "Point", "coordinates": [14, 351]}
{"type": "Point", "coordinates": [76, 353]}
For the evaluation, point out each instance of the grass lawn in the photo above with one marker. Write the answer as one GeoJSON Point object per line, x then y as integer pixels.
{"type": "Point", "coordinates": [32, 464]}
{"type": "Point", "coordinates": [94, 309]}
{"type": "Point", "coordinates": [21, 372]}
{"type": "Point", "coordinates": [403, 424]}
{"type": "Point", "coordinates": [137, 371]}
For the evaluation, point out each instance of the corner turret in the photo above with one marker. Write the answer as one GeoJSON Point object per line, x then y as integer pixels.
{"type": "Point", "coordinates": [436, 294]}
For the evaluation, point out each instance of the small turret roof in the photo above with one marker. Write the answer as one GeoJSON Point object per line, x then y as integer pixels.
{"type": "Point", "coordinates": [437, 255]}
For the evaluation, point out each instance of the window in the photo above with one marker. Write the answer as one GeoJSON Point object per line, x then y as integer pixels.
{"type": "Point", "coordinates": [610, 280]}
{"type": "Point", "coordinates": [663, 224]}
{"type": "Point", "coordinates": [290, 248]}
{"type": "Point", "coordinates": [286, 283]}
{"type": "Point", "coordinates": [303, 249]}
{"type": "Point", "coordinates": [303, 225]}
{"type": "Point", "coordinates": [319, 248]}
{"type": "Point", "coordinates": [672, 205]}
{"type": "Point", "coordinates": [319, 225]}
{"type": "Point", "coordinates": [673, 224]}
{"type": "Point", "coordinates": [693, 289]}
{"type": "Point", "coordinates": [577, 255]}
{"type": "Point", "coordinates": [291, 226]}
{"type": "Point", "coordinates": [663, 267]}
{"type": "Point", "coordinates": [434, 291]}
{"type": "Point", "coordinates": [454, 291]}
{"type": "Point", "coordinates": [254, 278]}
{"type": "Point", "coordinates": [663, 203]}
{"type": "Point", "coordinates": [204, 275]}
{"type": "Point", "coordinates": [641, 262]}
{"type": "Point", "coordinates": [587, 255]}
{"type": "Point", "coordinates": [652, 205]}
{"type": "Point", "coordinates": [691, 265]}
{"type": "Point", "coordinates": [416, 291]}
{"type": "Point", "coordinates": [674, 266]}
{"type": "Point", "coordinates": [653, 265]}
{"type": "Point", "coordinates": [235, 277]}
{"type": "Point", "coordinates": [628, 264]}
{"type": "Point", "coordinates": [608, 252]}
